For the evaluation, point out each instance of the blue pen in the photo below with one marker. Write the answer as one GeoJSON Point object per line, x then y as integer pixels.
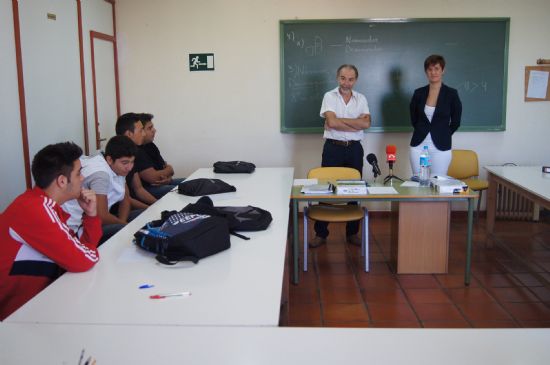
{"type": "Point", "coordinates": [146, 286]}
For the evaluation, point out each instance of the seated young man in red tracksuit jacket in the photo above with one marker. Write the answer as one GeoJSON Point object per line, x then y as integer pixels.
{"type": "Point", "coordinates": [36, 246]}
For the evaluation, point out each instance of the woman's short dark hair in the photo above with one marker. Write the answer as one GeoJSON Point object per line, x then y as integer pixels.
{"type": "Point", "coordinates": [434, 60]}
{"type": "Point", "coordinates": [120, 146]}
{"type": "Point", "coordinates": [352, 67]}
{"type": "Point", "coordinates": [54, 160]}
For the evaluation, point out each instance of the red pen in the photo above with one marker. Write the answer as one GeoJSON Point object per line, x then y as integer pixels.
{"type": "Point", "coordinates": [162, 296]}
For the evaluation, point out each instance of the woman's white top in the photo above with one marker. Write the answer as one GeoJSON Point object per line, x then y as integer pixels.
{"type": "Point", "coordinates": [429, 111]}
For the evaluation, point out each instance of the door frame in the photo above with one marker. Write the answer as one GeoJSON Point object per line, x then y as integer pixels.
{"type": "Point", "coordinates": [105, 37]}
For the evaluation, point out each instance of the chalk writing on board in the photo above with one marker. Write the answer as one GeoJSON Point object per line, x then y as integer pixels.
{"type": "Point", "coordinates": [313, 47]}
{"type": "Point", "coordinates": [316, 48]}
{"type": "Point", "coordinates": [298, 42]}
{"type": "Point", "coordinates": [473, 87]}
{"type": "Point", "coordinates": [354, 45]}
{"type": "Point", "coordinates": [305, 83]}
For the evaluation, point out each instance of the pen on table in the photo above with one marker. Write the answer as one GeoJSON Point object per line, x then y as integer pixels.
{"type": "Point", "coordinates": [162, 296]}
{"type": "Point", "coordinates": [146, 286]}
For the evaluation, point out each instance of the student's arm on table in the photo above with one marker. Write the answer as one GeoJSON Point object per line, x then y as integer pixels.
{"type": "Point", "coordinates": [142, 194]}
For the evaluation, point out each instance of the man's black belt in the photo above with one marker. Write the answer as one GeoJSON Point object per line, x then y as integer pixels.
{"type": "Point", "coordinates": [341, 143]}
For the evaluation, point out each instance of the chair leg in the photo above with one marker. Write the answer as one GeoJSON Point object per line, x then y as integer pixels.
{"type": "Point", "coordinates": [365, 243]}
{"type": "Point", "coordinates": [478, 205]}
{"type": "Point", "coordinates": [305, 239]}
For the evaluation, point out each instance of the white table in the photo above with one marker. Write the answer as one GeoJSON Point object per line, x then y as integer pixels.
{"type": "Point", "coordinates": [241, 286]}
{"type": "Point", "coordinates": [63, 344]}
{"type": "Point", "coordinates": [528, 181]}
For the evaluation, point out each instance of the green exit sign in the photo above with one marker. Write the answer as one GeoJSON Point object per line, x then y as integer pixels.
{"type": "Point", "coordinates": [201, 62]}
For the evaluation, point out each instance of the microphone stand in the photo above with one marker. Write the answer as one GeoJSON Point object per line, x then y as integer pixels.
{"type": "Point", "coordinates": [391, 176]}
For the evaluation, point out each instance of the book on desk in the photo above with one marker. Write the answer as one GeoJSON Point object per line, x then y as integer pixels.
{"type": "Point", "coordinates": [448, 185]}
{"type": "Point", "coordinates": [351, 187]}
{"type": "Point", "coordinates": [316, 189]}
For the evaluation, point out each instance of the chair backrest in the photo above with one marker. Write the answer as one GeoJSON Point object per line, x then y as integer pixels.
{"type": "Point", "coordinates": [464, 164]}
{"type": "Point", "coordinates": [333, 173]}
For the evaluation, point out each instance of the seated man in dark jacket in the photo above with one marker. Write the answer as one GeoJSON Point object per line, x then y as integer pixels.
{"type": "Point", "coordinates": [155, 173]}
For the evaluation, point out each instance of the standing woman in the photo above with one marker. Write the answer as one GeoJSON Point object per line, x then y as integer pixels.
{"type": "Point", "coordinates": [435, 115]}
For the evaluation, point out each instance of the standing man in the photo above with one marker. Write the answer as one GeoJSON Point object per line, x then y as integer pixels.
{"type": "Point", "coordinates": [346, 114]}
{"type": "Point", "coordinates": [157, 175]}
{"type": "Point", "coordinates": [36, 245]}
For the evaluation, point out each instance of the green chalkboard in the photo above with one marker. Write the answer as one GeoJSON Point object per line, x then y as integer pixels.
{"type": "Point", "coordinates": [390, 57]}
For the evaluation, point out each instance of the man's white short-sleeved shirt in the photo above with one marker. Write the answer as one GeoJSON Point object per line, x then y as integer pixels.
{"type": "Point", "coordinates": [334, 102]}
{"type": "Point", "coordinates": [99, 177]}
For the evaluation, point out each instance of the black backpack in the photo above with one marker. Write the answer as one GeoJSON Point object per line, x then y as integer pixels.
{"type": "Point", "coordinates": [245, 218]}
{"type": "Point", "coordinates": [182, 236]}
{"type": "Point", "coordinates": [234, 167]}
{"type": "Point", "coordinates": [198, 187]}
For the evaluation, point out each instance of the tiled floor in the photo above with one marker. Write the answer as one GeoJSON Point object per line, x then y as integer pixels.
{"type": "Point", "coordinates": [510, 283]}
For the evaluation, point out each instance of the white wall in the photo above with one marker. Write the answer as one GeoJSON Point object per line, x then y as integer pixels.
{"type": "Point", "coordinates": [233, 112]}
{"type": "Point", "coordinates": [51, 72]}
{"type": "Point", "coordinates": [12, 178]}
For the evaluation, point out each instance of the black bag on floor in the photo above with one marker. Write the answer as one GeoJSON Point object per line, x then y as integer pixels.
{"type": "Point", "coordinates": [234, 167]}
{"type": "Point", "coordinates": [246, 218]}
{"type": "Point", "coordinates": [197, 187]}
{"type": "Point", "coordinates": [181, 236]}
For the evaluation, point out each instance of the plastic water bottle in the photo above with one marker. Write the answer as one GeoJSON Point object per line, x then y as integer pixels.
{"type": "Point", "coordinates": [425, 163]}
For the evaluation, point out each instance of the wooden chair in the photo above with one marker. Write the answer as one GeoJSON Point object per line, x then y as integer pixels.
{"type": "Point", "coordinates": [335, 213]}
{"type": "Point", "coordinates": [465, 166]}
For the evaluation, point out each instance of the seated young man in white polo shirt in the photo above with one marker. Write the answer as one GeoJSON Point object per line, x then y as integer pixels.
{"type": "Point", "coordinates": [106, 175]}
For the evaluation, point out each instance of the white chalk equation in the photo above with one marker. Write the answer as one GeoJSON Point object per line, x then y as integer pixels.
{"type": "Point", "coordinates": [312, 47]}
{"type": "Point", "coordinates": [356, 45]}
{"type": "Point", "coordinates": [305, 83]}
{"type": "Point", "coordinates": [473, 87]}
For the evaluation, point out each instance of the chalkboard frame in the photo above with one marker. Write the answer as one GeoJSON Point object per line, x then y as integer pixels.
{"type": "Point", "coordinates": [494, 127]}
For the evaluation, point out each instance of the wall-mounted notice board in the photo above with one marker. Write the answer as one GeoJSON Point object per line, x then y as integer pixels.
{"type": "Point", "coordinates": [537, 83]}
{"type": "Point", "coordinates": [389, 54]}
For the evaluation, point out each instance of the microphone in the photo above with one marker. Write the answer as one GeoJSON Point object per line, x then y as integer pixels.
{"type": "Point", "coordinates": [391, 150]}
{"type": "Point", "coordinates": [373, 161]}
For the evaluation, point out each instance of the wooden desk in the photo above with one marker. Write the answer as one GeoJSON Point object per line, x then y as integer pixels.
{"type": "Point", "coordinates": [528, 181]}
{"type": "Point", "coordinates": [241, 286]}
{"type": "Point", "coordinates": [406, 195]}
{"type": "Point", "coordinates": [120, 344]}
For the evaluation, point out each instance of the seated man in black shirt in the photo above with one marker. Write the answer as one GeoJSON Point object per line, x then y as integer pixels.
{"type": "Point", "coordinates": [155, 173]}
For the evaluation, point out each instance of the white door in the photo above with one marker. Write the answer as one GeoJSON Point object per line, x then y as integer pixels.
{"type": "Point", "coordinates": [51, 71]}
{"type": "Point", "coordinates": [106, 112]}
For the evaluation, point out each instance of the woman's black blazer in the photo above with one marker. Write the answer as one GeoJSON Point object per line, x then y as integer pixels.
{"type": "Point", "coordinates": [445, 121]}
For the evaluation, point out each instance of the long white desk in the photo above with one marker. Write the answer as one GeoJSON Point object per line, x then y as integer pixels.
{"type": "Point", "coordinates": [64, 344]}
{"type": "Point", "coordinates": [241, 286]}
{"type": "Point", "coordinates": [529, 181]}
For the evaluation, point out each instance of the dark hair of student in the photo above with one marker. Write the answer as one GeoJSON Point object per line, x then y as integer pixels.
{"type": "Point", "coordinates": [352, 67]}
{"type": "Point", "coordinates": [54, 160]}
{"type": "Point", "coordinates": [126, 123]}
{"type": "Point", "coordinates": [434, 60]}
{"type": "Point", "coordinates": [145, 118]}
{"type": "Point", "coordinates": [120, 146]}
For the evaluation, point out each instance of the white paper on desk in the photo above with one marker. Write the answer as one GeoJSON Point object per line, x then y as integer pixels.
{"type": "Point", "coordinates": [537, 84]}
{"type": "Point", "coordinates": [381, 190]}
{"type": "Point", "coordinates": [410, 184]}
{"type": "Point", "coordinates": [305, 182]}
{"type": "Point", "coordinates": [135, 254]}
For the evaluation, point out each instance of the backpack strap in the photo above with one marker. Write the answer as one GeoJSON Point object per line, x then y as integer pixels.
{"type": "Point", "coordinates": [239, 235]}
{"type": "Point", "coordinates": [166, 261]}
